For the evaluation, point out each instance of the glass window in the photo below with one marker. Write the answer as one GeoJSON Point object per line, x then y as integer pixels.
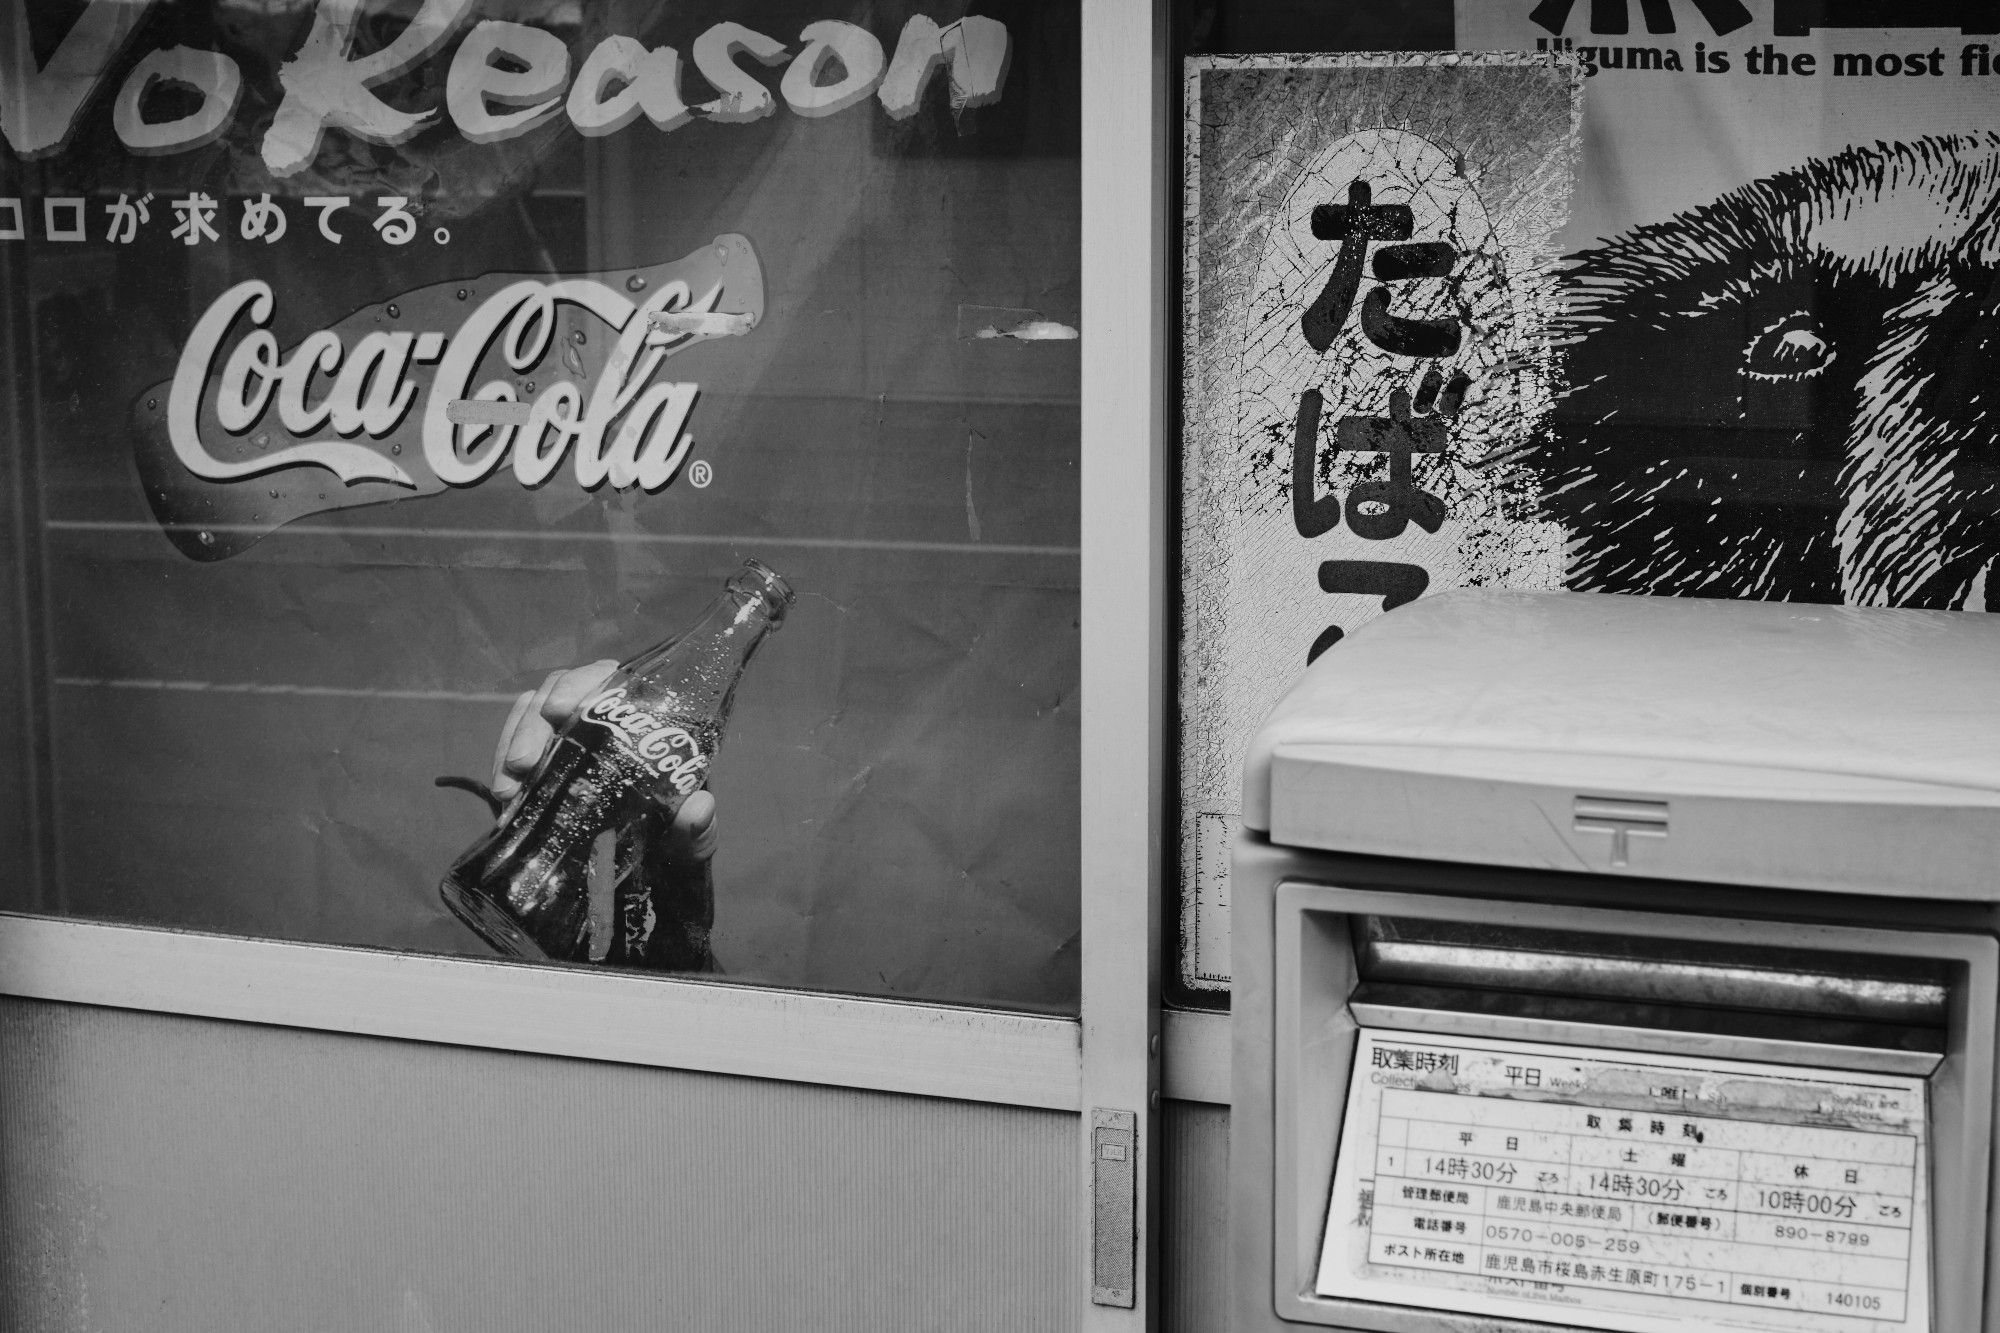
{"type": "Point", "coordinates": [371, 364]}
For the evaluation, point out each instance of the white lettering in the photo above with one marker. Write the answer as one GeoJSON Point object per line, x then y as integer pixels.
{"type": "Point", "coordinates": [654, 465]}
{"type": "Point", "coordinates": [38, 107]}
{"type": "Point", "coordinates": [256, 357]}
{"type": "Point", "coordinates": [474, 79]}
{"type": "Point", "coordinates": [212, 74]}
{"type": "Point", "coordinates": [829, 42]}
{"type": "Point", "coordinates": [651, 83]}
{"type": "Point", "coordinates": [319, 352]}
{"type": "Point", "coordinates": [977, 48]}
{"type": "Point", "coordinates": [323, 88]}
{"type": "Point", "coordinates": [620, 384]}
{"type": "Point", "coordinates": [504, 79]}
{"type": "Point", "coordinates": [743, 98]}
{"type": "Point", "coordinates": [621, 428]}
{"type": "Point", "coordinates": [455, 461]}
{"type": "Point", "coordinates": [527, 308]}
{"type": "Point", "coordinates": [670, 751]}
{"type": "Point", "coordinates": [370, 393]}
{"type": "Point", "coordinates": [557, 410]}
{"type": "Point", "coordinates": [528, 332]}
{"type": "Point", "coordinates": [349, 462]}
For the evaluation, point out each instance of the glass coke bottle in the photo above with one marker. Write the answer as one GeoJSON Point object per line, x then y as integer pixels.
{"type": "Point", "coordinates": [624, 764]}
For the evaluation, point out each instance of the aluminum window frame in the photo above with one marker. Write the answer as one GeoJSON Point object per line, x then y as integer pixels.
{"type": "Point", "coordinates": [1111, 1054]}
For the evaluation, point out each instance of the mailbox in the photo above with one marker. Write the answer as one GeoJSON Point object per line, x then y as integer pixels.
{"type": "Point", "coordinates": [1621, 964]}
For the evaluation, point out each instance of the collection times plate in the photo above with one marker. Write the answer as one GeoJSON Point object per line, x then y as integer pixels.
{"type": "Point", "coordinates": [1628, 1191]}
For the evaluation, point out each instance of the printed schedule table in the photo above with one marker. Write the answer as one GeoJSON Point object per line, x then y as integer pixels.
{"type": "Point", "coordinates": [1673, 1189]}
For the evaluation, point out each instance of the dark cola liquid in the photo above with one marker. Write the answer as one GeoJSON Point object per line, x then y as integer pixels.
{"type": "Point", "coordinates": [639, 748]}
{"type": "Point", "coordinates": [525, 887]}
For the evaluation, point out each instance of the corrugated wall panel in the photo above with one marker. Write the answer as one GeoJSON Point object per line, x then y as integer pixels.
{"type": "Point", "coordinates": [1194, 1282]}
{"type": "Point", "coordinates": [167, 1173]}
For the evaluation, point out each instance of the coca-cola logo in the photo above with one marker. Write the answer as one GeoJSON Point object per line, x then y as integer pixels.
{"type": "Point", "coordinates": [433, 389]}
{"type": "Point", "coordinates": [669, 751]}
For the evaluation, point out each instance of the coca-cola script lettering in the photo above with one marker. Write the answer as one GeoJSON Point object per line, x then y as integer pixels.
{"type": "Point", "coordinates": [436, 388]}
{"type": "Point", "coordinates": [669, 751]}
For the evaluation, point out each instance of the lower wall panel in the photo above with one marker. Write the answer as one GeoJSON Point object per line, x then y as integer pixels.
{"type": "Point", "coordinates": [1194, 1251]}
{"type": "Point", "coordinates": [168, 1173]}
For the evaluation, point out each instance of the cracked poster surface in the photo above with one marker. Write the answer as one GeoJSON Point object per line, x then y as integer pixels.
{"type": "Point", "coordinates": [1371, 284]}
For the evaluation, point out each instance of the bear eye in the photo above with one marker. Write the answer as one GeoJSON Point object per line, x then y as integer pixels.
{"type": "Point", "coordinates": [1791, 349]}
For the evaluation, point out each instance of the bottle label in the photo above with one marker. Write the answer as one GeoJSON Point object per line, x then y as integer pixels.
{"type": "Point", "coordinates": [668, 750]}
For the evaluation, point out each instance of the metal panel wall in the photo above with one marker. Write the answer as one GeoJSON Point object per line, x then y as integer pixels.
{"type": "Point", "coordinates": [1194, 1221]}
{"type": "Point", "coordinates": [171, 1173]}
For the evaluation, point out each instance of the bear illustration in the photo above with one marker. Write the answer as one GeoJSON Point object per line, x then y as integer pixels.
{"type": "Point", "coordinates": [1790, 393]}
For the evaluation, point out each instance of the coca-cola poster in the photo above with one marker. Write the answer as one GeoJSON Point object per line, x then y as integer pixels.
{"type": "Point", "coordinates": [381, 369]}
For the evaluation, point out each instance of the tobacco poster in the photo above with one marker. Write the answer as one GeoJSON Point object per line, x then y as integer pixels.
{"type": "Point", "coordinates": [1371, 282]}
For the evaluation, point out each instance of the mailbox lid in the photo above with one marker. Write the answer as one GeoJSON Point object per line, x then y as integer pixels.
{"type": "Point", "coordinates": [1774, 743]}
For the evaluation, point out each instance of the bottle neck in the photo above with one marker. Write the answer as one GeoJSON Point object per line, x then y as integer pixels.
{"type": "Point", "coordinates": [725, 635]}
{"type": "Point", "coordinates": [699, 666]}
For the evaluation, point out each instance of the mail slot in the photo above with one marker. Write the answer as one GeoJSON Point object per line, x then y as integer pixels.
{"type": "Point", "coordinates": [1621, 964]}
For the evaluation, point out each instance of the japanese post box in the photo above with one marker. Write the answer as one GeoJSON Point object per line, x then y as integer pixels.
{"type": "Point", "coordinates": [1621, 963]}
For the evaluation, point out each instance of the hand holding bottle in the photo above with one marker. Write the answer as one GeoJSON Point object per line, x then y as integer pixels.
{"type": "Point", "coordinates": [531, 728]}
{"type": "Point", "coordinates": [624, 749]}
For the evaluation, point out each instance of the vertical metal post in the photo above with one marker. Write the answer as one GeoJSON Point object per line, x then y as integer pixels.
{"type": "Point", "coordinates": [1123, 637]}
{"type": "Point", "coordinates": [33, 881]}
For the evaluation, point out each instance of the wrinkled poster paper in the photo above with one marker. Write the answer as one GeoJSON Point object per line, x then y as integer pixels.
{"type": "Point", "coordinates": [1371, 245]}
{"type": "Point", "coordinates": [1631, 1192]}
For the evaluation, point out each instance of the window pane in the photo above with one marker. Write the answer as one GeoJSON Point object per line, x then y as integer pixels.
{"type": "Point", "coordinates": [316, 470]}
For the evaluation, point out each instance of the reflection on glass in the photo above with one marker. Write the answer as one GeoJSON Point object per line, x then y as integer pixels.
{"type": "Point", "coordinates": [337, 431]}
